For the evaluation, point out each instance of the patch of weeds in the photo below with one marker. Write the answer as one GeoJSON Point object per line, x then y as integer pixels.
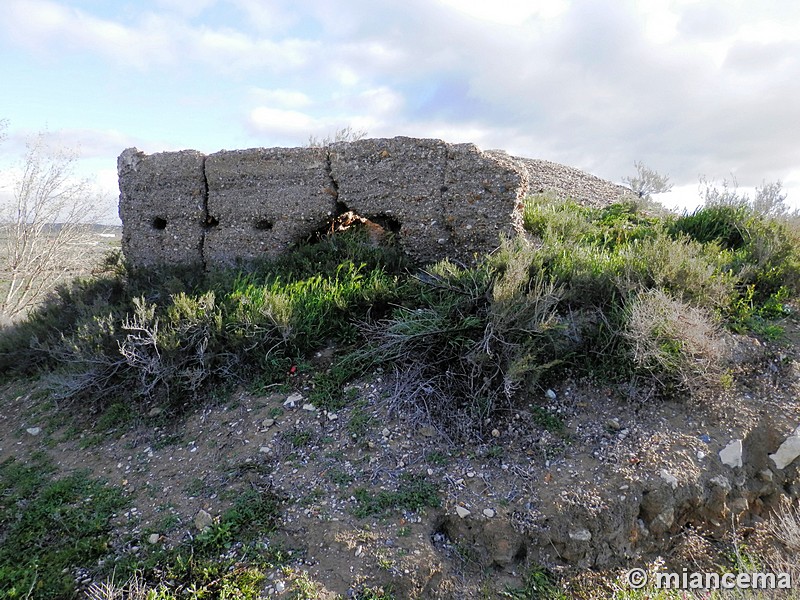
{"type": "Point", "coordinates": [311, 497]}
{"type": "Point", "coordinates": [539, 585]}
{"type": "Point", "coordinates": [227, 560]}
{"type": "Point", "coordinates": [437, 458]}
{"type": "Point", "coordinates": [117, 416]}
{"type": "Point", "coordinates": [215, 538]}
{"type": "Point", "coordinates": [48, 527]}
{"type": "Point", "coordinates": [373, 593]}
{"type": "Point", "coordinates": [299, 437]}
{"type": "Point", "coordinates": [91, 441]}
{"type": "Point", "coordinates": [340, 477]}
{"type": "Point", "coordinates": [196, 487]}
{"type": "Point", "coordinates": [328, 388]}
{"type": "Point", "coordinates": [275, 412]}
{"type": "Point", "coordinates": [359, 422]}
{"type": "Point", "coordinates": [165, 440]}
{"type": "Point", "coordinates": [403, 531]}
{"type": "Point", "coordinates": [413, 493]}
{"type": "Point", "coordinates": [302, 586]}
{"type": "Point", "coordinates": [547, 420]}
{"type": "Point", "coordinates": [495, 452]}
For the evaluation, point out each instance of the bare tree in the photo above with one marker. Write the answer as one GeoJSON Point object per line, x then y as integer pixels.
{"type": "Point", "coordinates": [45, 227]}
{"type": "Point", "coordinates": [345, 134]}
{"type": "Point", "coordinates": [647, 181]}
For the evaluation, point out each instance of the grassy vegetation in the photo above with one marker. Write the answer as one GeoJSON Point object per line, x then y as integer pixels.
{"type": "Point", "coordinates": [49, 527]}
{"type": "Point", "coordinates": [413, 493]}
{"type": "Point", "coordinates": [610, 291]}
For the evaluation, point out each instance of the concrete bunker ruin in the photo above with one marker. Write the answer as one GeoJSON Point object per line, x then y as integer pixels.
{"type": "Point", "coordinates": [437, 200]}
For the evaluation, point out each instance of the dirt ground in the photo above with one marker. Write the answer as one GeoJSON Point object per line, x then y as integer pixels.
{"type": "Point", "coordinates": [530, 494]}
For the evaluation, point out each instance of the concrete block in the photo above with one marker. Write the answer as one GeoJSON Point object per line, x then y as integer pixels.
{"type": "Point", "coordinates": [263, 200]}
{"type": "Point", "coordinates": [162, 206]}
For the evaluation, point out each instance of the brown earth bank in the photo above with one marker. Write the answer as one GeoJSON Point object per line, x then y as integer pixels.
{"type": "Point", "coordinates": [583, 478]}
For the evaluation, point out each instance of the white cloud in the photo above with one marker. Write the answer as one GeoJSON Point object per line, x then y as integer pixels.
{"type": "Point", "coordinates": [281, 122]}
{"type": "Point", "coordinates": [281, 98]}
{"type": "Point", "coordinates": [156, 40]}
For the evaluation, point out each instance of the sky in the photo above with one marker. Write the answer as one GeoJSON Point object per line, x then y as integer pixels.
{"type": "Point", "coordinates": [690, 88]}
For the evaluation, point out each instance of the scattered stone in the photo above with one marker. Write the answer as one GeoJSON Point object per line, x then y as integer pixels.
{"type": "Point", "coordinates": [662, 522]}
{"type": "Point", "coordinates": [495, 433]}
{"type": "Point", "coordinates": [671, 480]}
{"type": "Point", "coordinates": [203, 520]}
{"type": "Point", "coordinates": [267, 423]}
{"type": "Point", "coordinates": [731, 455]}
{"type": "Point", "coordinates": [34, 430]}
{"type": "Point", "coordinates": [265, 449]}
{"type": "Point", "coordinates": [359, 551]}
{"type": "Point", "coordinates": [488, 513]}
{"type": "Point", "coordinates": [332, 416]}
{"type": "Point", "coordinates": [280, 587]}
{"type": "Point", "coordinates": [309, 407]}
{"type": "Point", "coordinates": [739, 506]}
{"type": "Point", "coordinates": [766, 475]}
{"type": "Point", "coordinates": [292, 400]}
{"type": "Point", "coordinates": [705, 438]}
{"type": "Point", "coordinates": [614, 424]}
{"type": "Point", "coordinates": [581, 535]}
{"type": "Point", "coordinates": [788, 451]}
{"type": "Point", "coordinates": [155, 411]}
{"type": "Point", "coordinates": [385, 432]}
{"type": "Point", "coordinates": [153, 538]}
{"type": "Point", "coordinates": [463, 512]}
{"type": "Point", "coordinates": [550, 394]}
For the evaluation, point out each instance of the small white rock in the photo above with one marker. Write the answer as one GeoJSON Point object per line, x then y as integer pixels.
{"type": "Point", "coordinates": [34, 430]}
{"type": "Point", "coordinates": [787, 452]}
{"type": "Point", "coordinates": [581, 535]}
{"type": "Point", "coordinates": [203, 520]}
{"type": "Point", "coordinates": [488, 513]}
{"type": "Point", "coordinates": [495, 433]}
{"type": "Point", "coordinates": [153, 538]}
{"type": "Point", "coordinates": [267, 423]}
{"type": "Point", "coordinates": [309, 407]}
{"type": "Point", "coordinates": [292, 400]}
{"type": "Point", "coordinates": [550, 394]}
{"type": "Point", "coordinates": [462, 512]}
{"type": "Point", "coordinates": [731, 455]}
{"type": "Point", "coordinates": [671, 480]}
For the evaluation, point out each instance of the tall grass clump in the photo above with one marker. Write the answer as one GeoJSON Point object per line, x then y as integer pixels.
{"type": "Point", "coordinates": [469, 339]}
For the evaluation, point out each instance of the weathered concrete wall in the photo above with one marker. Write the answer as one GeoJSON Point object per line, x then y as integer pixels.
{"type": "Point", "coordinates": [441, 200]}
{"type": "Point", "coordinates": [162, 206]}
{"type": "Point", "coordinates": [261, 201]}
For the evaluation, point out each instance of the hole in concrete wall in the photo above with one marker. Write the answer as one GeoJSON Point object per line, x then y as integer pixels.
{"type": "Point", "coordinates": [379, 230]}
{"type": "Point", "coordinates": [211, 222]}
{"type": "Point", "coordinates": [263, 225]}
{"type": "Point", "coordinates": [159, 223]}
{"type": "Point", "coordinates": [390, 224]}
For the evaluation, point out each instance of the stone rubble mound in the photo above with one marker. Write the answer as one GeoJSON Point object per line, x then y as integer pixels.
{"type": "Point", "coordinates": [439, 200]}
